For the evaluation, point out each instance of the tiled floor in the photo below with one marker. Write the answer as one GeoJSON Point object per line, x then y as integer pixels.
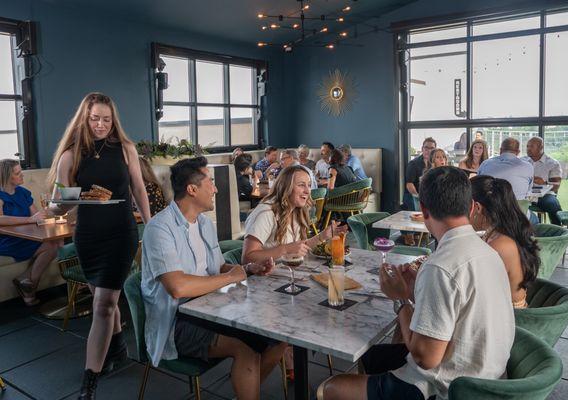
{"type": "Point", "coordinates": [38, 361]}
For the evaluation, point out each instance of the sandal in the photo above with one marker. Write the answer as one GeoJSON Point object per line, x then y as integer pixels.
{"type": "Point", "coordinates": [25, 288]}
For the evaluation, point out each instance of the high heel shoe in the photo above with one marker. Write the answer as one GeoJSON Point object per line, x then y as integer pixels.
{"type": "Point", "coordinates": [89, 386]}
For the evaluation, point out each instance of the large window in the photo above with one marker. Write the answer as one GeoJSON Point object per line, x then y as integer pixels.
{"type": "Point", "coordinates": [16, 124]}
{"type": "Point", "coordinates": [485, 76]}
{"type": "Point", "coordinates": [211, 100]}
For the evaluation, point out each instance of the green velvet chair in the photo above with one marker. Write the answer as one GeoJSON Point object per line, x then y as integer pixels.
{"type": "Point", "coordinates": [547, 314]}
{"type": "Point", "coordinates": [318, 197]}
{"type": "Point", "coordinates": [233, 256]}
{"type": "Point", "coordinates": [349, 199]}
{"type": "Point", "coordinates": [228, 245]}
{"type": "Point", "coordinates": [553, 241]}
{"type": "Point", "coordinates": [362, 227]}
{"type": "Point", "coordinates": [192, 367]}
{"type": "Point", "coordinates": [533, 371]}
{"type": "Point", "coordinates": [563, 217]}
{"type": "Point", "coordinates": [73, 274]}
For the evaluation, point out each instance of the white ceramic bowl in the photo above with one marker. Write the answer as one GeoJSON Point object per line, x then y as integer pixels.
{"type": "Point", "coordinates": [70, 193]}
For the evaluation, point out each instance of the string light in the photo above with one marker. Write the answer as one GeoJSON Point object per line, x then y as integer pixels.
{"type": "Point", "coordinates": [306, 7]}
{"type": "Point", "coordinates": [261, 16]}
{"type": "Point", "coordinates": [324, 29]}
{"type": "Point", "coordinates": [274, 26]}
{"type": "Point", "coordinates": [330, 46]}
{"type": "Point", "coordinates": [340, 19]}
{"type": "Point", "coordinates": [296, 26]}
{"type": "Point", "coordinates": [343, 34]}
{"type": "Point", "coordinates": [261, 44]}
{"type": "Point", "coordinates": [264, 27]}
{"type": "Point", "coordinates": [346, 9]}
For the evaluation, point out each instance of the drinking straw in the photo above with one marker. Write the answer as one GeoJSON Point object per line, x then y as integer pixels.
{"type": "Point", "coordinates": [333, 284]}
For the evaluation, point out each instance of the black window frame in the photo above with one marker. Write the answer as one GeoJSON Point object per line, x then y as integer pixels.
{"type": "Point", "coordinates": [261, 75]}
{"type": "Point", "coordinates": [402, 31]}
{"type": "Point", "coordinates": [24, 33]}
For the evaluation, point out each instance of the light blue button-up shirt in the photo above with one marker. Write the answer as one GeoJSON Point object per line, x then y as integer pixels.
{"type": "Point", "coordinates": [508, 166]}
{"type": "Point", "coordinates": [355, 163]}
{"type": "Point", "coordinates": [166, 248]}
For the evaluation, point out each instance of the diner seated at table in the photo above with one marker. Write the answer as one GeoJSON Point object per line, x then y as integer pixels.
{"type": "Point", "coordinates": [507, 165]}
{"type": "Point", "coordinates": [455, 313]}
{"type": "Point", "coordinates": [507, 231]}
{"type": "Point", "coordinates": [175, 269]}
{"type": "Point", "coordinates": [269, 164]}
{"type": "Point", "coordinates": [304, 153]}
{"type": "Point", "coordinates": [153, 188]}
{"type": "Point", "coordinates": [438, 158]}
{"type": "Point", "coordinates": [322, 166]}
{"type": "Point", "coordinates": [547, 171]}
{"type": "Point", "coordinates": [353, 162]}
{"type": "Point", "coordinates": [339, 173]}
{"type": "Point", "coordinates": [476, 154]}
{"type": "Point", "coordinates": [246, 182]}
{"type": "Point", "coordinates": [290, 157]}
{"type": "Point", "coordinates": [16, 208]}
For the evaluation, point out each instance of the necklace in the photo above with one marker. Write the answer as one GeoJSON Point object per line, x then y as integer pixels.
{"type": "Point", "coordinates": [98, 153]}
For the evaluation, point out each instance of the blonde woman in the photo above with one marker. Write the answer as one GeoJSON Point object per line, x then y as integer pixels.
{"type": "Point", "coordinates": [156, 198]}
{"type": "Point", "coordinates": [17, 207]}
{"type": "Point", "coordinates": [95, 150]}
{"type": "Point", "coordinates": [279, 225]}
{"type": "Point", "coordinates": [438, 158]}
{"type": "Point", "coordinates": [476, 154]}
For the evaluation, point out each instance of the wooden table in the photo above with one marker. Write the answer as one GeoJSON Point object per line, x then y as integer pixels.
{"type": "Point", "coordinates": [260, 191]}
{"type": "Point", "coordinates": [254, 306]}
{"type": "Point", "coordinates": [39, 233]}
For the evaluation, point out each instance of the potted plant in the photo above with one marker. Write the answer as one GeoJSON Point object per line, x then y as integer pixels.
{"type": "Point", "coordinates": [166, 153]}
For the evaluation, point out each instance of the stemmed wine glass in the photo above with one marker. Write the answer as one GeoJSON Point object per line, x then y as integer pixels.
{"type": "Point", "coordinates": [383, 245]}
{"type": "Point", "coordinates": [292, 262]}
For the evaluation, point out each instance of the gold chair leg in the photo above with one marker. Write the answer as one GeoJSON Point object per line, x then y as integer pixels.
{"type": "Point", "coordinates": [284, 380]}
{"type": "Point", "coordinates": [330, 365]}
{"type": "Point", "coordinates": [197, 389]}
{"type": "Point", "coordinates": [327, 218]}
{"type": "Point", "coordinates": [316, 232]}
{"type": "Point", "coordinates": [70, 304]}
{"type": "Point", "coordinates": [2, 384]}
{"type": "Point", "coordinates": [144, 380]}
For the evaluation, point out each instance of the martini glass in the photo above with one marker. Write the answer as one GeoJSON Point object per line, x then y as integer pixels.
{"type": "Point", "coordinates": [383, 245]}
{"type": "Point", "coordinates": [292, 262]}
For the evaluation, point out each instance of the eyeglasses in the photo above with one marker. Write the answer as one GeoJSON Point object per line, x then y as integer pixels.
{"type": "Point", "coordinates": [428, 148]}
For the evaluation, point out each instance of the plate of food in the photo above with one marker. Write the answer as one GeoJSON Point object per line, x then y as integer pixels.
{"type": "Point", "coordinates": [96, 195]}
{"type": "Point", "coordinates": [323, 250]}
{"type": "Point", "coordinates": [417, 217]}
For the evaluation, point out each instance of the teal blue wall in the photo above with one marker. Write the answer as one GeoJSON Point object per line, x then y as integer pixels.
{"type": "Point", "coordinates": [372, 121]}
{"type": "Point", "coordinates": [87, 50]}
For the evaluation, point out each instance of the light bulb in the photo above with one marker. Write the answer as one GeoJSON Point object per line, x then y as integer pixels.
{"type": "Point", "coordinates": [348, 8]}
{"type": "Point", "coordinates": [324, 29]}
{"type": "Point", "coordinates": [330, 46]}
{"type": "Point", "coordinates": [296, 26]}
{"type": "Point", "coordinates": [307, 6]}
{"type": "Point", "coordinates": [340, 19]}
{"type": "Point", "coordinates": [264, 27]}
{"type": "Point", "coordinates": [274, 26]}
{"type": "Point", "coordinates": [261, 15]}
{"type": "Point", "coordinates": [261, 44]}
{"type": "Point", "coordinates": [343, 34]}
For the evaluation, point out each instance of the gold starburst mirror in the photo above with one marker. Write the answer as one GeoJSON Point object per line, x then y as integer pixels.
{"type": "Point", "coordinates": [337, 93]}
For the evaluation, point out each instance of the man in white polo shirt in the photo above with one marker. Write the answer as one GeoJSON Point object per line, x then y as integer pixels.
{"type": "Point", "coordinates": [456, 319]}
{"type": "Point", "coordinates": [547, 171]}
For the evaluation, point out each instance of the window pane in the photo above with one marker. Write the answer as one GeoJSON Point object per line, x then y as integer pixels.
{"type": "Point", "coordinates": [505, 77]}
{"type": "Point", "coordinates": [437, 80]}
{"type": "Point", "coordinates": [6, 73]}
{"type": "Point", "coordinates": [437, 34]}
{"type": "Point", "coordinates": [452, 140]}
{"type": "Point", "coordinates": [557, 19]}
{"type": "Point", "coordinates": [242, 131]}
{"type": "Point", "coordinates": [209, 82]}
{"type": "Point", "coordinates": [241, 84]}
{"type": "Point", "coordinates": [8, 130]}
{"type": "Point", "coordinates": [174, 125]}
{"type": "Point", "coordinates": [556, 92]}
{"type": "Point", "coordinates": [210, 126]}
{"type": "Point", "coordinates": [178, 79]}
{"type": "Point", "coordinates": [556, 146]}
{"type": "Point", "coordinates": [494, 137]}
{"type": "Point", "coordinates": [486, 28]}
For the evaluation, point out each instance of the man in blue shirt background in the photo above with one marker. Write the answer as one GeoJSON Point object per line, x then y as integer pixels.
{"type": "Point", "coordinates": [353, 162]}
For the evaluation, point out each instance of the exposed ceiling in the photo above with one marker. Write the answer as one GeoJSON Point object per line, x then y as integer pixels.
{"type": "Point", "coordinates": [236, 20]}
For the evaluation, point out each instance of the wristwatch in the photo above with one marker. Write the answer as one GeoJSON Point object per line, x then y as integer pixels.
{"type": "Point", "coordinates": [398, 304]}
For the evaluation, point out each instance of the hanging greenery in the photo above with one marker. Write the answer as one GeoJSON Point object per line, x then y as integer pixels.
{"type": "Point", "coordinates": [150, 150]}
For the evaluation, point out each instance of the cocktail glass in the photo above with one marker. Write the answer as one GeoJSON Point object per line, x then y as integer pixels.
{"type": "Point", "coordinates": [383, 245]}
{"type": "Point", "coordinates": [292, 262]}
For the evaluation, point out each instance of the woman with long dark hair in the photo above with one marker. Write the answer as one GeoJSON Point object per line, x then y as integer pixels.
{"type": "Point", "coordinates": [508, 231]}
{"type": "Point", "coordinates": [476, 154]}
{"type": "Point", "coordinates": [339, 173]}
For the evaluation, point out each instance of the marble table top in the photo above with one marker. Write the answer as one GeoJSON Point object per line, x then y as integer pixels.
{"type": "Point", "coordinates": [401, 221]}
{"type": "Point", "coordinates": [299, 320]}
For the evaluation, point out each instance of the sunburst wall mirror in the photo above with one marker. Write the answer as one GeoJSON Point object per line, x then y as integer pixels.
{"type": "Point", "coordinates": [337, 93]}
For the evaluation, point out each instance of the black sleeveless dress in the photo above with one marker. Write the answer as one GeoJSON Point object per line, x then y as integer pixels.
{"type": "Point", "coordinates": [106, 236]}
{"type": "Point", "coordinates": [344, 175]}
